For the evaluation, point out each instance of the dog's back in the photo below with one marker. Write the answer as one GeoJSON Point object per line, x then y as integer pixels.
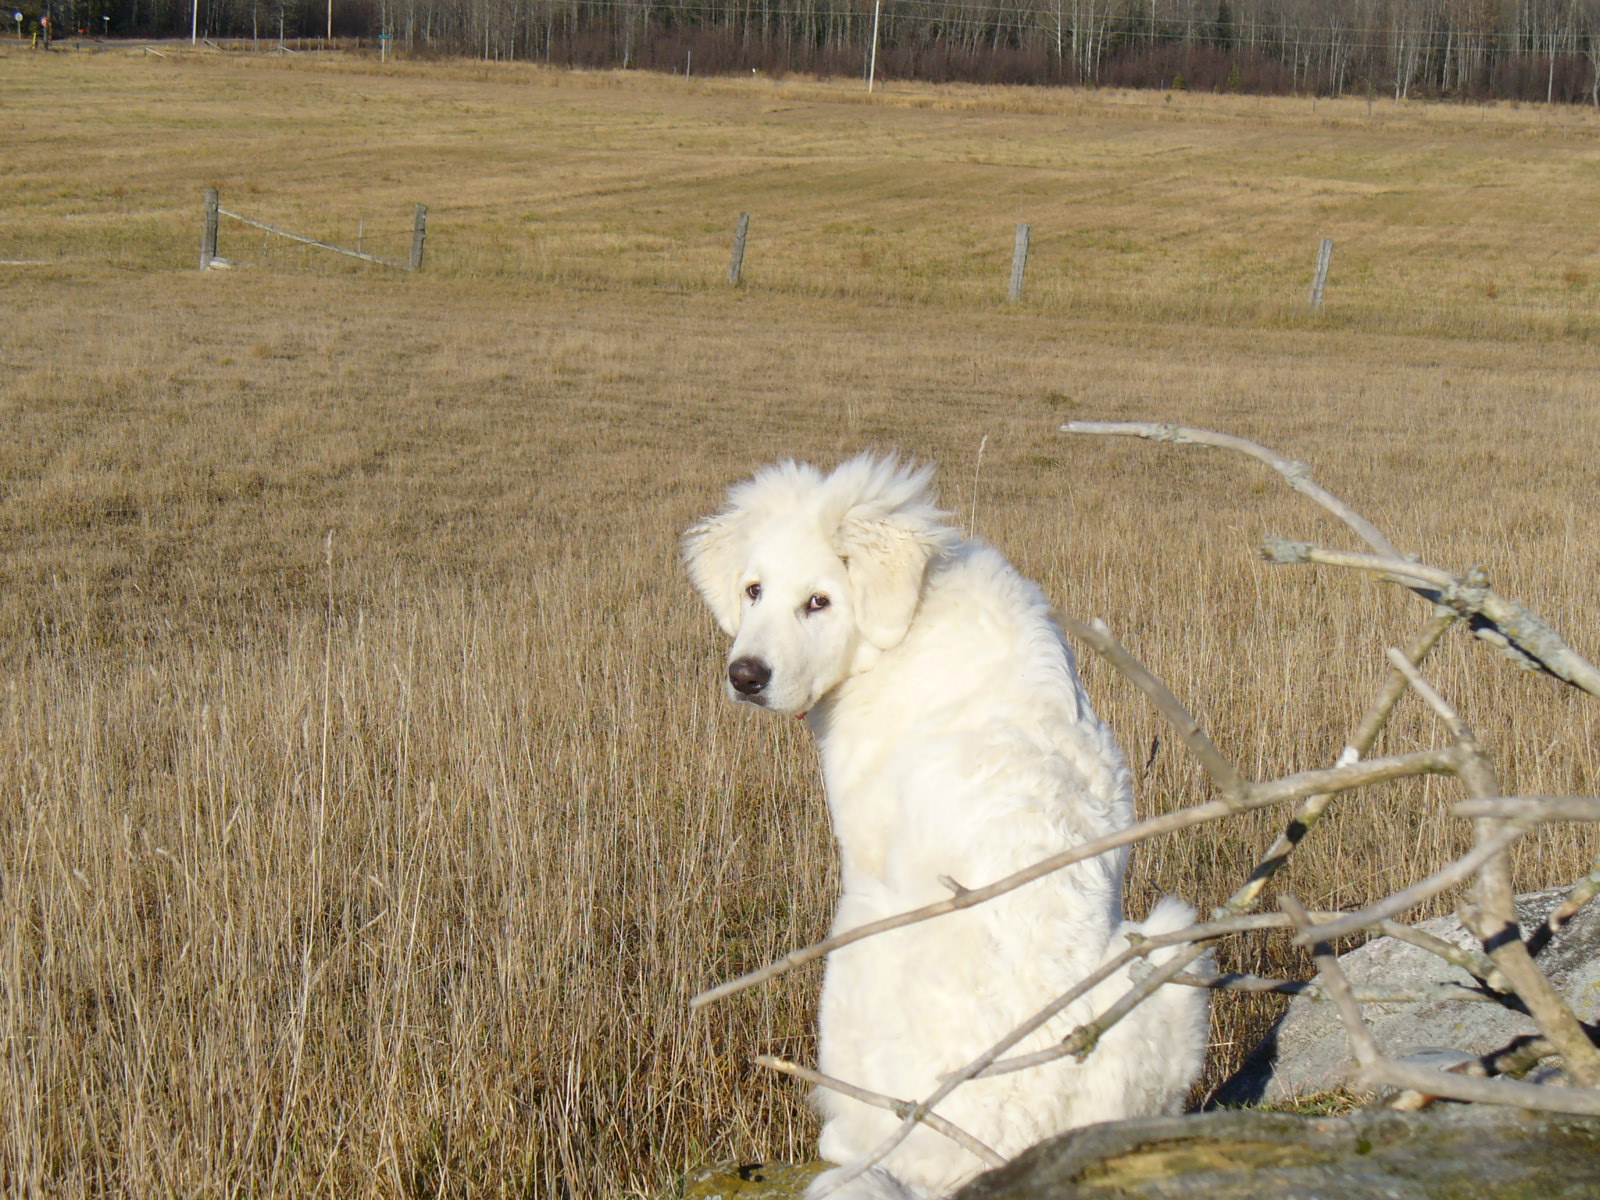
{"type": "Point", "coordinates": [967, 753]}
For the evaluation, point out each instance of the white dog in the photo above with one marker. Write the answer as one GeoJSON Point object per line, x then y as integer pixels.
{"type": "Point", "coordinates": [957, 744]}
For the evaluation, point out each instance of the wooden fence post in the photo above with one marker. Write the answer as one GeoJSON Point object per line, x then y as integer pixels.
{"type": "Point", "coordinates": [1320, 279]}
{"type": "Point", "coordinates": [208, 236]}
{"type": "Point", "coordinates": [1019, 260]}
{"type": "Point", "coordinates": [736, 267]}
{"type": "Point", "coordinates": [419, 236]}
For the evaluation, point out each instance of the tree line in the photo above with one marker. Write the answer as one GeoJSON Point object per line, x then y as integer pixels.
{"type": "Point", "coordinates": [1538, 50]}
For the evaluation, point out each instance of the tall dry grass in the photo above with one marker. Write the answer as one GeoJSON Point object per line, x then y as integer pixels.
{"type": "Point", "coordinates": [369, 807]}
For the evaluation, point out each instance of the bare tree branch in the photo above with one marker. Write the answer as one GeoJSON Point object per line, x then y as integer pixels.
{"type": "Point", "coordinates": [1297, 474]}
{"type": "Point", "coordinates": [1283, 552]}
{"type": "Point", "coordinates": [1531, 810]}
{"type": "Point", "coordinates": [1473, 962]}
{"type": "Point", "coordinates": [1504, 623]}
{"type": "Point", "coordinates": [1277, 791]}
{"type": "Point", "coordinates": [986, 1063]}
{"type": "Point", "coordinates": [1451, 875]}
{"type": "Point", "coordinates": [1244, 898]}
{"type": "Point", "coordinates": [1097, 635]}
{"type": "Point", "coordinates": [1371, 725]}
{"type": "Point", "coordinates": [1394, 685]}
{"type": "Point", "coordinates": [900, 1108]}
{"type": "Point", "coordinates": [1496, 920]}
{"type": "Point", "coordinates": [1081, 1042]}
{"type": "Point", "coordinates": [1386, 1073]}
{"type": "Point", "coordinates": [1513, 626]}
{"type": "Point", "coordinates": [1333, 981]}
{"type": "Point", "coordinates": [1434, 993]}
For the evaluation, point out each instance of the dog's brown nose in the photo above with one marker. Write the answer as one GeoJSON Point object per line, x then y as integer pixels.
{"type": "Point", "coordinates": [749, 676]}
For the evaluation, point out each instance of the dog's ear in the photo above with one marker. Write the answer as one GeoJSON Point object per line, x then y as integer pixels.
{"type": "Point", "coordinates": [886, 567]}
{"type": "Point", "coordinates": [887, 539]}
{"type": "Point", "coordinates": [712, 550]}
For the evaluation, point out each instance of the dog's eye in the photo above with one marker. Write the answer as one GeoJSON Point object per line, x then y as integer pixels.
{"type": "Point", "coordinates": [817, 603]}
{"type": "Point", "coordinates": [753, 591]}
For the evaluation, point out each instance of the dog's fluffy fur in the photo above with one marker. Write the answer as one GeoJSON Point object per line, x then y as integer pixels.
{"type": "Point", "coordinates": [957, 743]}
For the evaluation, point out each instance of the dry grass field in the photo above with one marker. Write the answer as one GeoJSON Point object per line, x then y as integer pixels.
{"type": "Point", "coordinates": [368, 807]}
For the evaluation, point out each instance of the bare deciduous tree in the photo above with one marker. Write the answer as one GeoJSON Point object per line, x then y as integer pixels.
{"type": "Point", "coordinates": [1538, 50]}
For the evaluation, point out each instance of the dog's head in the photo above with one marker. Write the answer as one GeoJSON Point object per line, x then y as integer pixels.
{"type": "Point", "coordinates": [814, 576]}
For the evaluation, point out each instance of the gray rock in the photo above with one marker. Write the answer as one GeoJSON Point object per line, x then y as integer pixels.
{"type": "Point", "coordinates": [1306, 1053]}
{"type": "Point", "coordinates": [1451, 1152]}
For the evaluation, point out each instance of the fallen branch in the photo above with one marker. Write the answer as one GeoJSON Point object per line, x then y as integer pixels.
{"type": "Point", "coordinates": [1277, 791]}
{"type": "Point", "coordinates": [1452, 875]}
{"type": "Point", "coordinates": [1531, 810]}
{"type": "Point", "coordinates": [1098, 636]}
{"type": "Point", "coordinates": [1297, 474]}
{"type": "Point", "coordinates": [988, 1062]}
{"type": "Point", "coordinates": [1435, 993]}
{"type": "Point", "coordinates": [900, 1108]}
{"type": "Point", "coordinates": [1388, 1073]}
{"type": "Point", "coordinates": [1496, 916]}
{"type": "Point", "coordinates": [1311, 809]}
{"type": "Point", "coordinates": [1500, 620]}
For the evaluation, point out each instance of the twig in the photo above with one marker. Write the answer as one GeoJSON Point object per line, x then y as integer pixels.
{"type": "Point", "coordinates": [1386, 1073]}
{"type": "Point", "coordinates": [1283, 552]}
{"type": "Point", "coordinates": [1297, 474]}
{"type": "Point", "coordinates": [984, 1063]}
{"type": "Point", "coordinates": [900, 1108]}
{"type": "Point", "coordinates": [1450, 876]}
{"type": "Point", "coordinates": [1436, 993]}
{"type": "Point", "coordinates": [1505, 623]}
{"type": "Point", "coordinates": [1333, 981]}
{"type": "Point", "coordinates": [1585, 890]}
{"type": "Point", "coordinates": [1532, 810]}
{"type": "Point", "coordinates": [1513, 626]}
{"type": "Point", "coordinates": [1277, 791]}
{"type": "Point", "coordinates": [1371, 725]}
{"type": "Point", "coordinates": [1081, 1042]}
{"type": "Point", "coordinates": [1394, 686]}
{"type": "Point", "coordinates": [1097, 635]}
{"type": "Point", "coordinates": [1497, 926]}
{"type": "Point", "coordinates": [1473, 962]}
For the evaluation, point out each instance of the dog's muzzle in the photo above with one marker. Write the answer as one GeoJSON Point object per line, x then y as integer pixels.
{"type": "Point", "coordinates": [749, 677]}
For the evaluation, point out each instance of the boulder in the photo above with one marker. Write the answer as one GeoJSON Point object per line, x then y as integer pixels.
{"type": "Point", "coordinates": [1450, 1152]}
{"type": "Point", "coordinates": [1306, 1052]}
